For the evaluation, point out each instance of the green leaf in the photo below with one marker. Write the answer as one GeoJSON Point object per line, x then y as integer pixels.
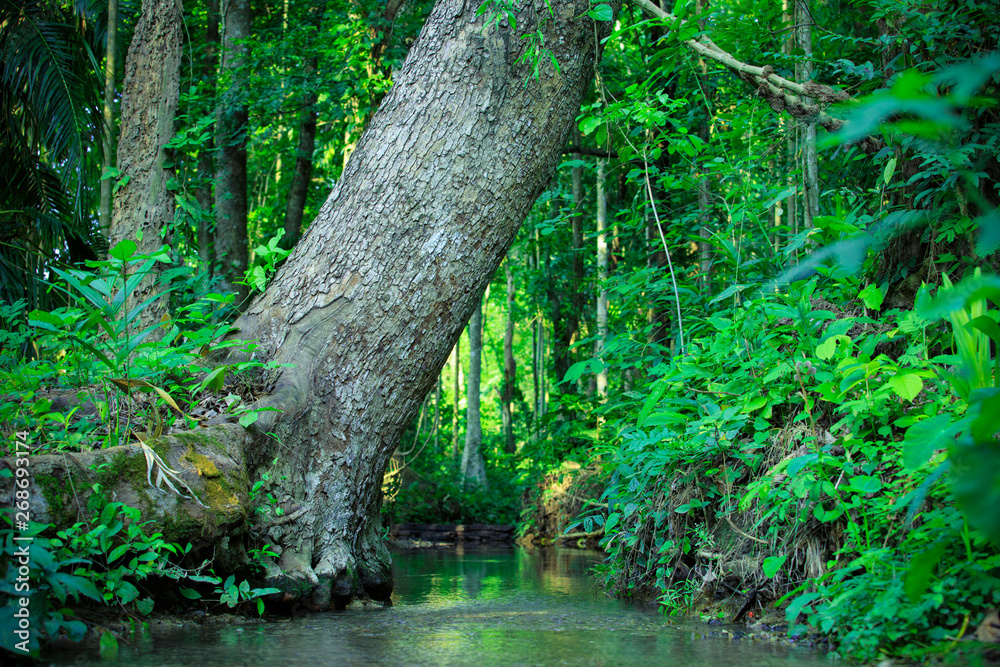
{"type": "Point", "coordinates": [589, 124]}
{"type": "Point", "coordinates": [127, 592]}
{"type": "Point", "coordinates": [189, 593]}
{"type": "Point", "coordinates": [215, 380]}
{"type": "Point", "coordinates": [108, 514]}
{"type": "Point", "coordinates": [601, 135]}
{"type": "Point", "coordinates": [117, 553]}
{"type": "Point", "coordinates": [923, 438]}
{"type": "Point", "coordinates": [772, 565]}
{"type": "Point", "coordinates": [249, 417]}
{"type": "Point", "coordinates": [77, 585]}
{"type": "Point", "coordinates": [784, 194]}
{"type": "Point", "coordinates": [865, 484]}
{"type": "Point", "coordinates": [575, 371]}
{"type": "Point", "coordinates": [986, 325]}
{"type": "Point", "coordinates": [729, 291]}
{"type": "Point", "coordinates": [872, 297]}
{"type": "Point", "coordinates": [906, 385]}
{"type": "Point", "coordinates": [918, 577]}
{"type": "Point", "coordinates": [989, 233]}
{"type": "Point", "coordinates": [651, 401]}
{"type": "Point", "coordinates": [890, 168]}
{"type": "Point", "coordinates": [796, 606]}
{"type": "Point", "coordinates": [949, 300]}
{"type": "Point", "coordinates": [976, 476]}
{"type": "Point", "coordinates": [827, 348]}
{"type": "Point", "coordinates": [601, 13]}
{"type": "Point", "coordinates": [123, 250]}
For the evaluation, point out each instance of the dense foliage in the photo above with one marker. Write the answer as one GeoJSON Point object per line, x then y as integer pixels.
{"type": "Point", "coordinates": [791, 396]}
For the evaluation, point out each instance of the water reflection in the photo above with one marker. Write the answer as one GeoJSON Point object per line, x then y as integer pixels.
{"type": "Point", "coordinates": [470, 607]}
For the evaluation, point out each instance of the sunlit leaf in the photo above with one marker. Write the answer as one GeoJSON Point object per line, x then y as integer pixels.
{"type": "Point", "coordinates": [772, 565]}
{"type": "Point", "coordinates": [906, 385]}
{"type": "Point", "coordinates": [601, 13]}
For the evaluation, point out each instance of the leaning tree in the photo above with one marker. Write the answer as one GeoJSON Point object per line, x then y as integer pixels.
{"type": "Point", "coordinates": [378, 290]}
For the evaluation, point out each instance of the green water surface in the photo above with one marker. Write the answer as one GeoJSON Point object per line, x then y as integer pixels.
{"type": "Point", "coordinates": [470, 607]}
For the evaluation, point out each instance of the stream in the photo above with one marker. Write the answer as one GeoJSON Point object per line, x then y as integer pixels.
{"type": "Point", "coordinates": [467, 606]}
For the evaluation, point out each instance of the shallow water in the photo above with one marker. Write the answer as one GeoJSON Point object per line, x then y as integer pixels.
{"type": "Point", "coordinates": [470, 607]}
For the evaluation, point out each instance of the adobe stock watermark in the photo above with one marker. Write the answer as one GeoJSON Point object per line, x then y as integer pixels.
{"type": "Point", "coordinates": [22, 543]}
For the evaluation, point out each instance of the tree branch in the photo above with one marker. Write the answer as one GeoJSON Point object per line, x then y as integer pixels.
{"type": "Point", "coordinates": [780, 93]}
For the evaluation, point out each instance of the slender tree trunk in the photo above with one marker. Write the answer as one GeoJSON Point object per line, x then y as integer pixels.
{"type": "Point", "coordinates": [789, 15]}
{"type": "Point", "coordinates": [509, 367]}
{"type": "Point", "coordinates": [206, 153]}
{"type": "Point", "coordinates": [705, 213]}
{"type": "Point", "coordinates": [231, 242]}
{"type": "Point", "coordinates": [150, 94]}
{"type": "Point", "coordinates": [704, 184]}
{"type": "Point", "coordinates": [566, 294]}
{"type": "Point", "coordinates": [110, 66]}
{"type": "Point", "coordinates": [455, 447]}
{"type": "Point", "coordinates": [299, 190]}
{"type": "Point", "coordinates": [473, 465]}
{"type": "Point", "coordinates": [437, 413]}
{"type": "Point", "coordinates": [602, 277]}
{"type": "Point", "coordinates": [540, 395]}
{"type": "Point", "coordinates": [804, 70]}
{"type": "Point", "coordinates": [535, 373]}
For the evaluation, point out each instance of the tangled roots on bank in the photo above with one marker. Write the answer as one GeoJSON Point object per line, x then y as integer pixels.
{"type": "Point", "coordinates": [560, 497]}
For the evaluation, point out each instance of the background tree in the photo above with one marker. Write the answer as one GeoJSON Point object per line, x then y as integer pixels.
{"type": "Point", "coordinates": [110, 81]}
{"type": "Point", "coordinates": [473, 466]}
{"type": "Point", "coordinates": [231, 240]}
{"type": "Point", "coordinates": [144, 206]}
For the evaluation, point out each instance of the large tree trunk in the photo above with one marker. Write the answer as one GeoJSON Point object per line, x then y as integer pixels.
{"type": "Point", "coordinates": [144, 206]}
{"type": "Point", "coordinates": [377, 291]}
{"type": "Point", "coordinates": [473, 466]}
{"type": "Point", "coordinates": [231, 243]}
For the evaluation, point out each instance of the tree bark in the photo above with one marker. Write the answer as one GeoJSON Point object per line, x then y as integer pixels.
{"type": "Point", "coordinates": [509, 366]}
{"type": "Point", "coordinates": [379, 288]}
{"type": "Point", "coordinates": [231, 243]}
{"type": "Point", "coordinates": [473, 465]}
{"type": "Point", "coordinates": [150, 95]}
